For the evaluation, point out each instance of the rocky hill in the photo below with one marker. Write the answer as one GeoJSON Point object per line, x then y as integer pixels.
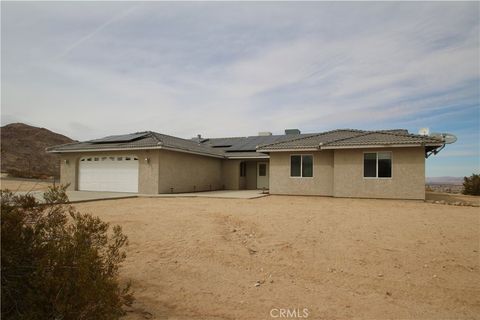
{"type": "Point", "coordinates": [23, 151]}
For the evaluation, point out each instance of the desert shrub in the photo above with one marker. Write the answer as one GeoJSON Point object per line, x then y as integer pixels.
{"type": "Point", "coordinates": [58, 263]}
{"type": "Point", "coordinates": [471, 185]}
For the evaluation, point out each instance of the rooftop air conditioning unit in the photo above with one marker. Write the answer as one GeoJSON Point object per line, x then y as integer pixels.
{"type": "Point", "coordinates": [292, 131]}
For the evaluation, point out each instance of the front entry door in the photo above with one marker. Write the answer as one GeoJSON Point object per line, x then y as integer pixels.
{"type": "Point", "coordinates": [262, 175]}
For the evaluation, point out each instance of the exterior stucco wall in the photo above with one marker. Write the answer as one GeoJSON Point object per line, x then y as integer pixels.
{"type": "Point", "coordinates": [320, 184]}
{"type": "Point", "coordinates": [231, 174]}
{"type": "Point", "coordinates": [407, 182]}
{"type": "Point", "coordinates": [69, 171]}
{"type": "Point", "coordinates": [147, 170]}
{"type": "Point", "coordinates": [186, 172]}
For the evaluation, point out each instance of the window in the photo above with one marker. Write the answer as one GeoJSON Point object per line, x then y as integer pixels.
{"type": "Point", "coordinates": [301, 166]}
{"type": "Point", "coordinates": [384, 164]}
{"type": "Point", "coordinates": [243, 169]}
{"type": "Point", "coordinates": [262, 170]}
{"type": "Point", "coordinates": [119, 158]}
{"type": "Point", "coordinates": [377, 165]}
{"type": "Point", "coordinates": [370, 165]}
{"type": "Point", "coordinates": [95, 159]}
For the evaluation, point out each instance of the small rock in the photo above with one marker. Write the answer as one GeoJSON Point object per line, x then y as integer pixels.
{"type": "Point", "coordinates": [380, 275]}
{"type": "Point", "coordinates": [259, 282]}
{"type": "Point", "coordinates": [271, 280]}
{"type": "Point", "coordinates": [425, 265]}
{"type": "Point", "coordinates": [434, 275]}
{"type": "Point", "coordinates": [388, 293]}
{"type": "Point", "coordinates": [234, 230]}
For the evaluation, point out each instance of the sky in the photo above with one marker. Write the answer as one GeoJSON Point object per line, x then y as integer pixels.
{"type": "Point", "coordinates": [92, 69]}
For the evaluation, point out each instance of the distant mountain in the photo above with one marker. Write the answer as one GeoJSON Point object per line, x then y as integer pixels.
{"type": "Point", "coordinates": [23, 150]}
{"type": "Point", "coordinates": [445, 180]}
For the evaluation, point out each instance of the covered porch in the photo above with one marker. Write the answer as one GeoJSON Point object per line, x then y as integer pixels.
{"type": "Point", "coordinates": [246, 174]}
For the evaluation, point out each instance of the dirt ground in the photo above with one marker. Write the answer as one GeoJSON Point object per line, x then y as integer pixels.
{"type": "Point", "coordinates": [194, 258]}
{"type": "Point", "coordinates": [18, 184]}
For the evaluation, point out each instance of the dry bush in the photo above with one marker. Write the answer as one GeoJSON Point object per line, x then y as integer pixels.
{"type": "Point", "coordinates": [58, 263]}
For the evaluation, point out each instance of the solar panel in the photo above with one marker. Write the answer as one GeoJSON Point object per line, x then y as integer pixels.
{"type": "Point", "coordinates": [120, 138]}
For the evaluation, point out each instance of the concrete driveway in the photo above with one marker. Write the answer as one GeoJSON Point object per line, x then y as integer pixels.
{"type": "Point", "coordinates": [83, 196]}
{"type": "Point", "coordinates": [228, 194]}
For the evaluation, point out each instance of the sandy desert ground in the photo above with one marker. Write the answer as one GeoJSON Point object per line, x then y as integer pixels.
{"type": "Point", "coordinates": [193, 258]}
{"type": "Point", "coordinates": [18, 184]}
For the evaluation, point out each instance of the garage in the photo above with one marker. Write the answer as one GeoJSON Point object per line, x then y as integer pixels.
{"type": "Point", "coordinates": [108, 173]}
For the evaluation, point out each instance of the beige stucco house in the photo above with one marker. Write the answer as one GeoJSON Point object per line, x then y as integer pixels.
{"type": "Point", "coordinates": [338, 163]}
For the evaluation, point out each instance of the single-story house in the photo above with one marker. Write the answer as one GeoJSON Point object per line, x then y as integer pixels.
{"type": "Point", "coordinates": [338, 163]}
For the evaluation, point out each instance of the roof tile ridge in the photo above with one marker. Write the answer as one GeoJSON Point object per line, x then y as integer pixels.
{"type": "Point", "coordinates": [399, 134]}
{"type": "Point", "coordinates": [62, 145]}
{"type": "Point", "coordinates": [361, 133]}
{"type": "Point", "coordinates": [238, 137]}
{"type": "Point", "coordinates": [155, 137]}
{"type": "Point", "coordinates": [157, 134]}
{"type": "Point", "coordinates": [206, 147]}
{"type": "Point", "coordinates": [299, 138]}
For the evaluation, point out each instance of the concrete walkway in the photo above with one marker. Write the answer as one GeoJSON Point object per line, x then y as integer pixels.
{"type": "Point", "coordinates": [227, 194]}
{"type": "Point", "coordinates": [83, 196]}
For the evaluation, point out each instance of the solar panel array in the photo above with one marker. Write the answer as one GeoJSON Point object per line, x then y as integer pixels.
{"type": "Point", "coordinates": [120, 138]}
{"type": "Point", "coordinates": [248, 143]}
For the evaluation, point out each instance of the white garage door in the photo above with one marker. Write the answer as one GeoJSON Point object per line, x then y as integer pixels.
{"type": "Point", "coordinates": [108, 173]}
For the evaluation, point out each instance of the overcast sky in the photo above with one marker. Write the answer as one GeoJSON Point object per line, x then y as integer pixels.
{"type": "Point", "coordinates": [93, 69]}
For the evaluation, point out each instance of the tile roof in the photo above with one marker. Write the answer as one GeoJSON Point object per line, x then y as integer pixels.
{"type": "Point", "coordinates": [252, 146]}
{"type": "Point", "coordinates": [352, 138]}
{"type": "Point", "coordinates": [249, 143]}
{"type": "Point", "coordinates": [148, 140]}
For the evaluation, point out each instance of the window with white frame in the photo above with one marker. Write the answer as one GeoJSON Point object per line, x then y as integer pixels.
{"type": "Point", "coordinates": [301, 166]}
{"type": "Point", "coordinates": [377, 165]}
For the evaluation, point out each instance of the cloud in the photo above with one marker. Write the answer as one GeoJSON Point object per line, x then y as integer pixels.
{"type": "Point", "coordinates": [238, 68]}
{"type": "Point", "coordinates": [92, 33]}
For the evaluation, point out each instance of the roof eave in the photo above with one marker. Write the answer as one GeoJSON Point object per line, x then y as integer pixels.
{"type": "Point", "coordinates": [143, 148]}
{"type": "Point", "coordinates": [288, 150]}
{"type": "Point", "coordinates": [251, 157]}
{"type": "Point", "coordinates": [365, 146]}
